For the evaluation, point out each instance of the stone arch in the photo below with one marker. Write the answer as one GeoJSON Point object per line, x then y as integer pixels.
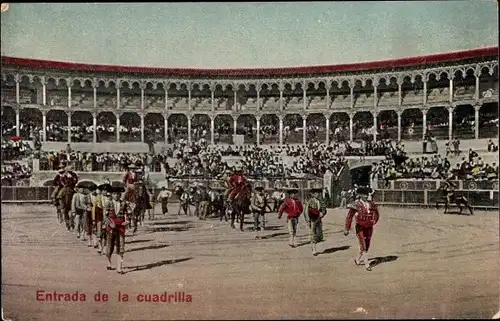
{"type": "Point", "coordinates": [28, 91]}
{"type": "Point", "coordinates": [154, 95]}
{"type": "Point", "coordinates": [30, 122]}
{"type": "Point", "coordinates": [437, 122]}
{"type": "Point", "coordinates": [106, 94]}
{"type": "Point", "coordinates": [56, 92]}
{"type": "Point", "coordinates": [339, 127]}
{"type": "Point", "coordinates": [362, 125]}
{"type": "Point", "coordinates": [130, 124]}
{"type": "Point", "coordinates": [293, 127]}
{"type": "Point", "coordinates": [387, 124]}
{"type": "Point", "coordinates": [106, 127]}
{"type": "Point", "coordinates": [316, 127]}
{"type": "Point", "coordinates": [154, 127]}
{"type": "Point", "coordinates": [57, 125]}
{"type": "Point", "coordinates": [130, 94]}
{"type": "Point", "coordinates": [488, 85]}
{"type": "Point", "coordinates": [178, 126]}
{"type": "Point", "coordinates": [200, 127]}
{"type": "Point", "coordinates": [223, 129]}
{"type": "Point", "coordinates": [463, 122]}
{"type": "Point", "coordinates": [488, 120]}
{"type": "Point", "coordinates": [82, 124]}
{"type": "Point", "coordinates": [8, 89]}
{"type": "Point", "coordinates": [82, 93]}
{"type": "Point", "coordinates": [411, 124]}
{"type": "Point", "coordinates": [269, 129]}
{"type": "Point", "coordinates": [464, 84]}
{"type": "Point", "coordinates": [8, 121]}
{"type": "Point", "coordinates": [246, 125]}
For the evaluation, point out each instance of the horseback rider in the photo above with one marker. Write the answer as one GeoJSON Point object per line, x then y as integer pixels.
{"type": "Point", "coordinates": [448, 188]}
{"type": "Point", "coordinates": [129, 179]}
{"type": "Point", "coordinates": [314, 211]}
{"type": "Point", "coordinates": [118, 215]}
{"type": "Point", "coordinates": [236, 183]}
{"type": "Point", "coordinates": [57, 183]}
{"type": "Point", "coordinates": [142, 202]}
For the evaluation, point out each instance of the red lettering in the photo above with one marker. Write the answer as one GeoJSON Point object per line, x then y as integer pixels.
{"type": "Point", "coordinates": [140, 298]}
{"type": "Point", "coordinates": [39, 295]}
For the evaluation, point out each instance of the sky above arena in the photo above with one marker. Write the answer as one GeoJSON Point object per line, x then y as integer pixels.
{"type": "Point", "coordinates": [233, 35]}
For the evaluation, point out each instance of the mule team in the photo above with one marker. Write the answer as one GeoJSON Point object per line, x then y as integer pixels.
{"type": "Point", "coordinates": [102, 213]}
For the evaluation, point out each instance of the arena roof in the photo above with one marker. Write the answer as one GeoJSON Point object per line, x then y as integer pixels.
{"type": "Point", "coordinates": [35, 64]}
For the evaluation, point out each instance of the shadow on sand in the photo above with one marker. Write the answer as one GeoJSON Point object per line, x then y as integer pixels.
{"type": "Point", "coordinates": [150, 247]}
{"type": "Point", "coordinates": [171, 222]}
{"type": "Point", "coordinates": [335, 249]}
{"type": "Point", "coordinates": [137, 241]}
{"type": "Point", "coordinates": [382, 259]}
{"type": "Point", "coordinates": [273, 228]}
{"type": "Point", "coordinates": [154, 264]}
{"type": "Point", "coordinates": [154, 229]}
{"type": "Point", "coordinates": [269, 236]}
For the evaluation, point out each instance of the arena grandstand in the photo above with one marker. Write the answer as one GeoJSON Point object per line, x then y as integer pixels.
{"type": "Point", "coordinates": [400, 125]}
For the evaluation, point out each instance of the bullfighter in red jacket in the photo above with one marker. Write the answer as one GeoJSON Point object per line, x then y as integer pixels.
{"type": "Point", "coordinates": [367, 215]}
{"type": "Point", "coordinates": [293, 208]}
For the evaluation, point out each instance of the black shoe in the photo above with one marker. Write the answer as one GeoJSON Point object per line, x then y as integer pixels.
{"type": "Point", "coordinates": [109, 268]}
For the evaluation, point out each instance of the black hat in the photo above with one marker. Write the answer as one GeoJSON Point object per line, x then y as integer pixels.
{"type": "Point", "coordinates": [259, 188]}
{"type": "Point", "coordinates": [86, 184]}
{"type": "Point", "coordinates": [117, 189]}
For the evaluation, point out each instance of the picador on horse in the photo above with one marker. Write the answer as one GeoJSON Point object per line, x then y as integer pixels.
{"type": "Point", "coordinates": [447, 193]}
{"type": "Point", "coordinates": [65, 182]}
{"type": "Point", "coordinates": [239, 194]}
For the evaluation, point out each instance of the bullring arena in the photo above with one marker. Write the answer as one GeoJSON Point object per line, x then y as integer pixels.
{"type": "Point", "coordinates": [428, 265]}
{"type": "Point", "coordinates": [425, 264]}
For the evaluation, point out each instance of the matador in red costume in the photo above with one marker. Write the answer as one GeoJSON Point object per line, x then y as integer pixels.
{"type": "Point", "coordinates": [367, 215]}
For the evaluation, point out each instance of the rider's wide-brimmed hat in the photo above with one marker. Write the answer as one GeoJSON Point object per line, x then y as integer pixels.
{"type": "Point", "coordinates": [105, 188]}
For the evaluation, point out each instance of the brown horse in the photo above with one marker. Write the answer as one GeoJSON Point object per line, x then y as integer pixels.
{"type": "Point", "coordinates": [241, 205]}
{"type": "Point", "coordinates": [140, 200]}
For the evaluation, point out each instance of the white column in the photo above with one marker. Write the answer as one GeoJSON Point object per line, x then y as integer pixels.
{"type": "Point", "coordinates": [351, 116]}
{"type": "Point", "coordinates": [425, 92]}
{"type": "Point", "coordinates": [142, 98]}
{"type": "Point", "coordinates": [476, 94]}
{"type": "Point", "coordinates": [258, 129]}
{"type": "Point", "coordinates": [44, 126]}
{"type": "Point", "coordinates": [450, 123]}
{"type": "Point", "coordinates": [281, 130]}
{"type": "Point", "coordinates": [18, 132]}
{"type": "Point", "coordinates": [258, 96]}
{"type": "Point", "coordinates": [399, 112]}
{"type": "Point", "coordinates": [424, 122]}
{"type": "Point", "coordinates": [212, 128]}
{"type": "Point", "coordinates": [117, 128]}
{"type": "Point", "coordinates": [375, 126]}
{"type": "Point", "coordinates": [189, 125]}
{"type": "Point", "coordinates": [400, 94]}
{"type": "Point", "coordinates": [189, 99]}
{"type": "Point", "coordinates": [476, 121]}
{"type": "Point", "coordinates": [304, 130]}
{"type": "Point", "coordinates": [304, 97]}
{"type": "Point", "coordinates": [235, 123]}
{"type": "Point", "coordinates": [451, 89]}
{"type": "Point", "coordinates": [213, 101]}
{"type": "Point", "coordinates": [69, 127]}
{"type": "Point", "coordinates": [18, 90]}
{"type": "Point", "coordinates": [118, 102]}
{"type": "Point", "coordinates": [165, 124]}
{"type": "Point", "coordinates": [327, 129]}
{"type": "Point", "coordinates": [94, 124]}
{"type": "Point", "coordinates": [327, 96]}
{"type": "Point", "coordinates": [281, 100]}
{"type": "Point", "coordinates": [235, 105]}
{"type": "Point", "coordinates": [69, 96]}
{"type": "Point", "coordinates": [375, 95]}
{"type": "Point", "coordinates": [44, 94]}
{"type": "Point", "coordinates": [166, 98]}
{"type": "Point", "coordinates": [95, 97]}
{"type": "Point", "coordinates": [352, 95]}
{"type": "Point", "coordinates": [142, 128]}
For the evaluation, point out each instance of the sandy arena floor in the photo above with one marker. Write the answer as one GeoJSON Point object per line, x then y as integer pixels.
{"type": "Point", "coordinates": [430, 265]}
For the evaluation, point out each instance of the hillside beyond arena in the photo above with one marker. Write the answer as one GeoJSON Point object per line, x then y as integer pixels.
{"type": "Point", "coordinates": [427, 265]}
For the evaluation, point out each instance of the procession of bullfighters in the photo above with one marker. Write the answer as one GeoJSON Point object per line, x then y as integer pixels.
{"type": "Point", "coordinates": [362, 189]}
